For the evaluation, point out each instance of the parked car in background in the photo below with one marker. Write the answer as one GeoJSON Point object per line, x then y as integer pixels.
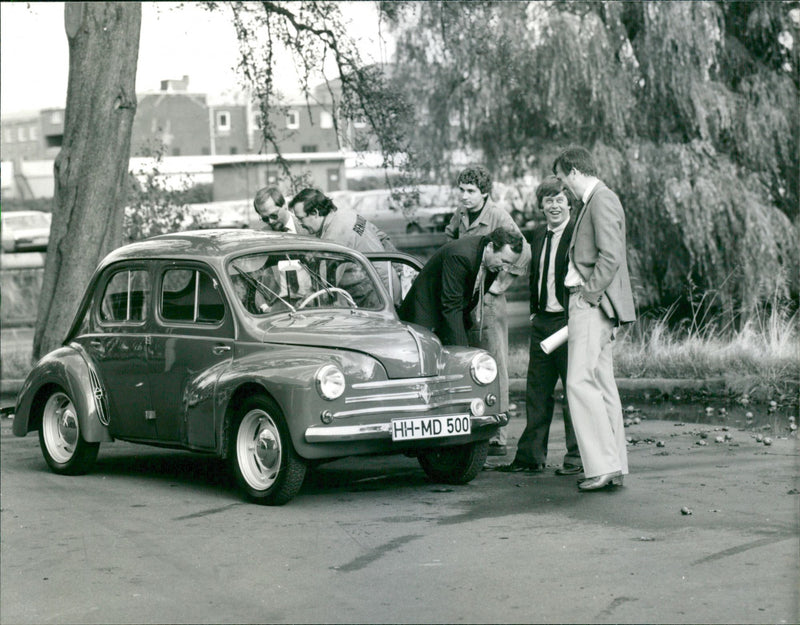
{"type": "Point", "coordinates": [276, 352]}
{"type": "Point", "coordinates": [25, 231]}
{"type": "Point", "coordinates": [428, 208]}
{"type": "Point", "coordinates": [230, 214]}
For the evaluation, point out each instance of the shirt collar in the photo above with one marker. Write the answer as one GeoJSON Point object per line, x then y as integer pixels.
{"type": "Point", "coordinates": [559, 228]}
{"type": "Point", "coordinates": [589, 190]}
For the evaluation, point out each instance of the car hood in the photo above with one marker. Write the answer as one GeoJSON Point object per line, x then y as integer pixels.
{"type": "Point", "coordinates": [403, 350]}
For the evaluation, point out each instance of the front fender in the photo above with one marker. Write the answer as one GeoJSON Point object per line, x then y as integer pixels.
{"type": "Point", "coordinates": [286, 373]}
{"type": "Point", "coordinates": [66, 368]}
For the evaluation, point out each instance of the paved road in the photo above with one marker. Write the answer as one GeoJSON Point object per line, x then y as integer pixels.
{"type": "Point", "coordinates": [160, 536]}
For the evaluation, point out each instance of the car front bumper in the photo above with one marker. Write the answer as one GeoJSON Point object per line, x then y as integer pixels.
{"type": "Point", "coordinates": [383, 430]}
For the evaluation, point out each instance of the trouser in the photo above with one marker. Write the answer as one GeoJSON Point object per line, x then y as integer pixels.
{"type": "Point", "coordinates": [493, 337]}
{"type": "Point", "coordinates": [592, 390]}
{"type": "Point", "coordinates": [543, 373]}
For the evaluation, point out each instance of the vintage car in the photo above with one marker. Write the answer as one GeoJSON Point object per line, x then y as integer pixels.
{"type": "Point", "coordinates": [274, 351]}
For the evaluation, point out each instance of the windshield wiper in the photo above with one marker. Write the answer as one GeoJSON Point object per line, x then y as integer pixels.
{"type": "Point", "coordinates": [262, 288]}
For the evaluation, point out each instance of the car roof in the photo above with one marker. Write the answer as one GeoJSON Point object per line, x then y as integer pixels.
{"type": "Point", "coordinates": [215, 244]}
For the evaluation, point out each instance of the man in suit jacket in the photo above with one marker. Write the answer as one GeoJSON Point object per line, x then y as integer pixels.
{"type": "Point", "coordinates": [600, 300]}
{"type": "Point", "coordinates": [455, 279]}
{"type": "Point", "coordinates": [550, 242]}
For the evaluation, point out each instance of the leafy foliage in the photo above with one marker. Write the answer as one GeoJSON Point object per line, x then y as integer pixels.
{"type": "Point", "coordinates": [155, 207]}
{"type": "Point", "coordinates": [690, 109]}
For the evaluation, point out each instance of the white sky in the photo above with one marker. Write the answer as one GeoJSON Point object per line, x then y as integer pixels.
{"type": "Point", "coordinates": [177, 39]}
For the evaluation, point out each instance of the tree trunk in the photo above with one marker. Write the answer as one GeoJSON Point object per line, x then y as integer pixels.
{"type": "Point", "coordinates": [92, 166]}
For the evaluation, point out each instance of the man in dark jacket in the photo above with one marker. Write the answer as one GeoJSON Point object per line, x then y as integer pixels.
{"type": "Point", "coordinates": [549, 244]}
{"type": "Point", "coordinates": [454, 281]}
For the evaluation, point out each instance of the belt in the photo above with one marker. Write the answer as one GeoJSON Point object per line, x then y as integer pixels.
{"type": "Point", "coordinates": [550, 315]}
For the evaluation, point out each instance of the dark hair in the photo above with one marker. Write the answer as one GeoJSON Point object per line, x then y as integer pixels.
{"type": "Point", "coordinates": [575, 157]}
{"type": "Point", "coordinates": [505, 236]}
{"type": "Point", "coordinates": [313, 201]}
{"type": "Point", "coordinates": [552, 186]}
{"type": "Point", "coordinates": [478, 176]}
{"type": "Point", "coordinates": [268, 192]}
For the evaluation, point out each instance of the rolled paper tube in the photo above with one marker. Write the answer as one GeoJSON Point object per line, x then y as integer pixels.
{"type": "Point", "coordinates": [554, 341]}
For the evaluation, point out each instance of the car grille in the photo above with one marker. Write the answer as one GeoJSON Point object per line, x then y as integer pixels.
{"type": "Point", "coordinates": [410, 395]}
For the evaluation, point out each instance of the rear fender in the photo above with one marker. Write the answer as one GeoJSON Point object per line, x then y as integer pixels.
{"type": "Point", "coordinates": [66, 368]}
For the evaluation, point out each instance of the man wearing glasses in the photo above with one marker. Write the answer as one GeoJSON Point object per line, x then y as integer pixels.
{"type": "Point", "coordinates": [271, 207]}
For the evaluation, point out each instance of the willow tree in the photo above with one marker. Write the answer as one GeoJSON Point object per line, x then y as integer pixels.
{"type": "Point", "coordinates": [92, 167]}
{"type": "Point", "coordinates": [689, 107]}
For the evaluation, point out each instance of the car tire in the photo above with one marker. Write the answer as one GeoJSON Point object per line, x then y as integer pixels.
{"type": "Point", "coordinates": [458, 464]}
{"type": "Point", "coordinates": [262, 457]}
{"type": "Point", "coordinates": [60, 438]}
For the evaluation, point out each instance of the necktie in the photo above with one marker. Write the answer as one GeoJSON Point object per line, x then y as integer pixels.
{"type": "Point", "coordinates": [545, 269]}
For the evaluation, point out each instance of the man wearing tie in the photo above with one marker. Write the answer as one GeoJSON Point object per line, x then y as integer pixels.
{"type": "Point", "coordinates": [550, 243]}
{"type": "Point", "coordinates": [271, 207]}
{"type": "Point", "coordinates": [600, 300]}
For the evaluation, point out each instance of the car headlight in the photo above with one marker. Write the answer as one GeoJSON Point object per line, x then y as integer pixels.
{"type": "Point", "coordinates": [483, 368]}
{"type": "Point", "coordinates": [330, 382]}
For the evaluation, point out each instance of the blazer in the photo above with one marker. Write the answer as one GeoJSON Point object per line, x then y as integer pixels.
{"type": "Point", "coordinates": [443, 294]}
{"type": "Point", "coordinates": [598, 251]}
{"type": "Point", "coordinates": [538, 241]}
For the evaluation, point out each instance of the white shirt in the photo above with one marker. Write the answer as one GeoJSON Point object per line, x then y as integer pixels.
{"type": "Point", "coordinates": [573, 278]}
{"type": "Point", "coordinates": [553, 305]}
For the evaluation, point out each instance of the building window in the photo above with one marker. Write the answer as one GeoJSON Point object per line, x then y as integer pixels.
{"type": "Point", "coordinates": [33, 133]}
{"type": "Point", "coordinates": [176, 151]}
{"type": "Point", "coordinates": [55, 117]}
{"type": "Point", "coordinates": [234, 150]}
{"type": "Point", "coordinates": [223, 121]}
{"type": "Point", "coordinates": [325, 120]}
{"type": "Point", "coordinates": [8, 136]}
{"type": "Point", "coordinates": [293, 120]}
{"type": "Point", "coordinates": [54, 141]}
{"type": "Point", "coordinates": [257, 119]}
{"type": "Point", "coordinates": [360, 122]}
{"type": "Point", "coordinates": [21, 133]}
{"type": "Point", "coordinates": [308, 148]}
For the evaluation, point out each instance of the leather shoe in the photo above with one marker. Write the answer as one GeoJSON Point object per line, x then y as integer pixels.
{"type": "Point", "coordinates": [520, 467]}
{"type": "Point", "coordinates": [601, 481]}
{"type": "Point", "coordinates": [569, 469]}
{"type": "Point", "coordinates": [496, 449]}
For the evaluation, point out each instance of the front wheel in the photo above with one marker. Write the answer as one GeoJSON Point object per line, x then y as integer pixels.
{"type": "Point", "coordinates": [458, 464]}
{"type": "Point", "coordinates": [262, 456]}
{"type": "Point", "coordinates": [63, 446]}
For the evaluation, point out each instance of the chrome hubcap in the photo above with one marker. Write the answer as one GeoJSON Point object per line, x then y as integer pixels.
{"type": "Point", "coordinates": [258, 449]}
{"type": "Point", "coordinates": [60, 427]}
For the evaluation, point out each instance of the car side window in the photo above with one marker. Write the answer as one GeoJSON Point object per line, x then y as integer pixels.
{"type": "Point", "coordinates": [125, 297]}
{"type": "Point", "coordinates": [191, 296]}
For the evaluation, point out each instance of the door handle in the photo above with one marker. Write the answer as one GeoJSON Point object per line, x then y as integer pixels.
{"type": "Point", "coordinates": [220, 349]}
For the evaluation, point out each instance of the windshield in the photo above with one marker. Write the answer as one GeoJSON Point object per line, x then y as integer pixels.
{"type": "Point", "coordinates": [272, 282]}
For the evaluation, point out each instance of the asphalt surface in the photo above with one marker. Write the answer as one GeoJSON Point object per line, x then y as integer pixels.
{"type": "Point", "coordinates": [159, 536]}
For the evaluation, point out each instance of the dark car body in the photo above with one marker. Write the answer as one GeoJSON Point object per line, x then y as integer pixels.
{"type": "Point", "coordinates": [272, 350]}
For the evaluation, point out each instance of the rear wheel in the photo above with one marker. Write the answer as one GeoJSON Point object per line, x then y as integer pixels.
{"type": "Point", "coordinates": [63, 447]}
{"type": "Point", "coordinates": [458, 464]}
{"type": "Point", "coordinates": [262, 456]}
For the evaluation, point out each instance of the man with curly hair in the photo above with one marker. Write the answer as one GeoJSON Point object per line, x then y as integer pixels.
{"type": "Point", "coordinates": [478, 215]}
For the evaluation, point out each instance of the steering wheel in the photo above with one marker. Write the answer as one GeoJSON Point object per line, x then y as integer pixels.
{"type": "Point", "coordinates": [328, 291]}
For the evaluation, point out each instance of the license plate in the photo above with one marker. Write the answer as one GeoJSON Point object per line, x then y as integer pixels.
{"type": "Point", "coordinates": [430, 427]}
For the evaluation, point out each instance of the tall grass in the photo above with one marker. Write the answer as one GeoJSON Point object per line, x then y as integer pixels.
{"type": "Point", "coordinates": [764, 354]}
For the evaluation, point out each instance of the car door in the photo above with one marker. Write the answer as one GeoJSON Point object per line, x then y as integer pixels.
{"type": "Point", "coordinates": [117, 345]}
{"type": "Point", "coordinates": [192, 345]}
{"type": "Point", "coordinates": [405, 266]}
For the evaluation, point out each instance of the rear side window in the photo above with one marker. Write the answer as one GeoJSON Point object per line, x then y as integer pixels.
{"type": "Point", "coordinates": [126, 296]}
{"type": "Point", "coordinates": [191, 296]}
